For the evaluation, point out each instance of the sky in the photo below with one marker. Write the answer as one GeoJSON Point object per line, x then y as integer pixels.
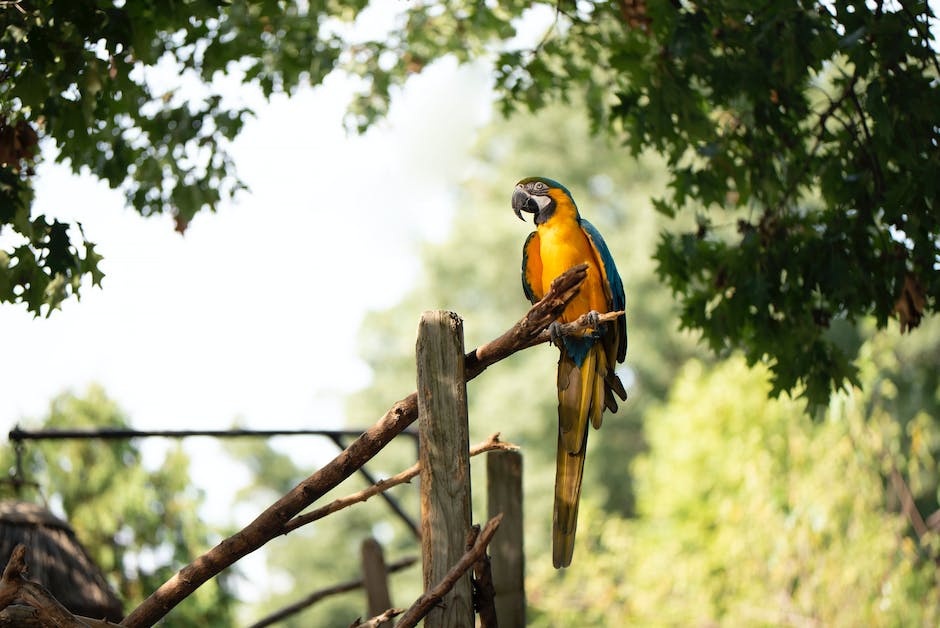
{"type": "Point", "coordinates": [252, 315]}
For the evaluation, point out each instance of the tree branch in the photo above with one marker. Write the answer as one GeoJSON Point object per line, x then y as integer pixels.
{"type": "Point", "coordinates": [490, 444]}
{"type": "Point", "coordinates": [484, 594]}
{"type": "Point", "coordinates": [908, 505]}
{"type": "Point", "coordinates": [582, 324]}
{"type": "Point", "coordinates": [426, 602]}
{"type": "Point", "coordinates": [316, 596]}
{"type": "Point", "coordinates": [818, 134]}
{"type": "Point", "coordinates": [866, 145]}
{"type": "Point", "coordinates": [272, 521]}
{"type": "Point", "coordinates": [49, 611]}
{"type": "Point", "coordinates": [379, 620]}
{"type": "Point", "coordinates": [528, 331]}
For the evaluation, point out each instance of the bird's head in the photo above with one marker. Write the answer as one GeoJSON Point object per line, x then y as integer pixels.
{"type": "Point", "coordinates": [541, 197]}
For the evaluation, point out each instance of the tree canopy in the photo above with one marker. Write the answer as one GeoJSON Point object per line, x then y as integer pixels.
{"type": "Point", "coordinates": [801, 135]}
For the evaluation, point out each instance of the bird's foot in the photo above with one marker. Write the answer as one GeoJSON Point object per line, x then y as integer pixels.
{"type": "Point", "coordinates": [594, 320]}
{"type": "Point", "coordinates": [554, 332]}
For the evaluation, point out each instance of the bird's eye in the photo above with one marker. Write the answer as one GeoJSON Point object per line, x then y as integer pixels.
{"type": "Point", "coordinates": [539, 186]}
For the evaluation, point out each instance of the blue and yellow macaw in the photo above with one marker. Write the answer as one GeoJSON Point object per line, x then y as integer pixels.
{"type": "Point", "coordinates": [586, 378]}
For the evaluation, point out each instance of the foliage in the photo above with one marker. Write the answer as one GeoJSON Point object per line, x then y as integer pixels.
{"type": "Point", "coordinates": [82, 74]}
{"type": "Point", "coordinates": [802, 135]}
{"type": "Point", "coordinates": [901, 376]}
{"type": "Point", "coordinates": [139, 526]}
{"type": "Point", "coordinates": [750, 513]}
{"type": "Point", "coordinates": [818, 122]}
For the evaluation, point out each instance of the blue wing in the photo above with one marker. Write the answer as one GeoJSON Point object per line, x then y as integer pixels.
{"type": "Point", "coordinates": [614, 283]}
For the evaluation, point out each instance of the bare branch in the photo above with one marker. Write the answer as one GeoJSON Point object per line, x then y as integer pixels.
{"type": "Point", "coordinates": [49, 611]}
{"type": "Point", "coordinates": [271, 522]}
{"type": "Point", "coordinates": [581, 325]}
{"type": "Point", "coordinates": [526, 333]}
{"type": "Point", "coordinates": [484, 593]}
{"type": "Point", "coordinates": [908, 505]}
{"type": "Point", "coordinates": [316, 596]}
{"type": "Point", "coordinates": [490, 444]}
{"type": "Point", "coordinates": [426, 602]}
{"type": "Point", "coordinates": [379, 619]}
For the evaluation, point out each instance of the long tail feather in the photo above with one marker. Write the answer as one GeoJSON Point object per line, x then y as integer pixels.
{"type": "Point", "coordinates": [580, 401]}
{"type": "Point", "coordinates": [575, 393]}
{"type": "Point", "coordinates": [569, 471]}
{"type": "Point", "coordinates": [583, 393]}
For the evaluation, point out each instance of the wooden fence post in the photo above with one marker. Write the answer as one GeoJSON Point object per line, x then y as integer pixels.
{"type": "Point", "coordinates": [507, 556]}
{"type": "Point", "coordinates": [445, 463]}
{"type": "Point", "coordinates": [375, 579]}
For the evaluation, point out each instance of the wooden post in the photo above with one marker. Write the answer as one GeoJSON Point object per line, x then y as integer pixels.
{"type": "Point", "coordinates": [507, 558]}
{"type": "Point", "coordinates": [375, 579]}
{"type": "Point", "coordinates": [445, 463]}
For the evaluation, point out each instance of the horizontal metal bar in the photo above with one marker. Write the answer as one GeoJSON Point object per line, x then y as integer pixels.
{"type": "Point", "coordinates": [18, 435]}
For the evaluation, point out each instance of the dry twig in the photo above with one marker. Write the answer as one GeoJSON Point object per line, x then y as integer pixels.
{"type": "Point", "coordinates": [316, 596]}
{"type": "Point", "coordinates": [484, 594]}
{"type": "Point", "coordinates": [490, 444]}
{"type": "Point", "coordinates": [379, 619]}
{"type": "Point", "coordinates": [908, 505]}
{"type": "Point", "coordinates": [48, 611]}
{"type": "Point", "coordinates": [426, 602]}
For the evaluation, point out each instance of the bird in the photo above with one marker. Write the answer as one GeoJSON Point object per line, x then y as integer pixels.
{"type": "Point", "coordinates": [586, 379]}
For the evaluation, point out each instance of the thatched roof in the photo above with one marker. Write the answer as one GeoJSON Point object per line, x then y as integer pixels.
{"type": "Point", "coordinates": [56, 560]}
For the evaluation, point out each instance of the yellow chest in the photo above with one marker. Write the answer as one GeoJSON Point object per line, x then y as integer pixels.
{"type": "Point", "coordinates": [564, 244]}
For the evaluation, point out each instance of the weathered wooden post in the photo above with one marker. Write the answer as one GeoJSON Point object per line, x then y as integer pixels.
{"type": "Point", "coordinates": [445, 462]}
{"type": "Point", "coordinates": [375, 579]}
{"type": "Point", "coordinates": [507, 557]}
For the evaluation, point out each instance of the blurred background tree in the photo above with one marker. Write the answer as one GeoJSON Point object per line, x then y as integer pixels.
{"type": "Point", "coordinates": [750, 513]}
{"type": "Point", "coordinates": [140, 526]}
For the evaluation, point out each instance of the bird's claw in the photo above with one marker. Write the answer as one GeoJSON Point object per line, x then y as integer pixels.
{"type": "Point", "coordinates": [554, 332]}
{"type": "Point", "coordinates": [594, 320]}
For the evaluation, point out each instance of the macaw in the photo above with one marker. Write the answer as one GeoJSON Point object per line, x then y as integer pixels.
{"type": "Point", "coordinates": [586, 378]}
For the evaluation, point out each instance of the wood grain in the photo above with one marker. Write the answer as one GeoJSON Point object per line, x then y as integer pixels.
{"type": "Point", "coordinates": [445, 463]}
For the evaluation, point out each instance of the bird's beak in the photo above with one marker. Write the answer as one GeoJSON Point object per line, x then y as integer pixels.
{"type": "Point", "coordinates": [523, 202]}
